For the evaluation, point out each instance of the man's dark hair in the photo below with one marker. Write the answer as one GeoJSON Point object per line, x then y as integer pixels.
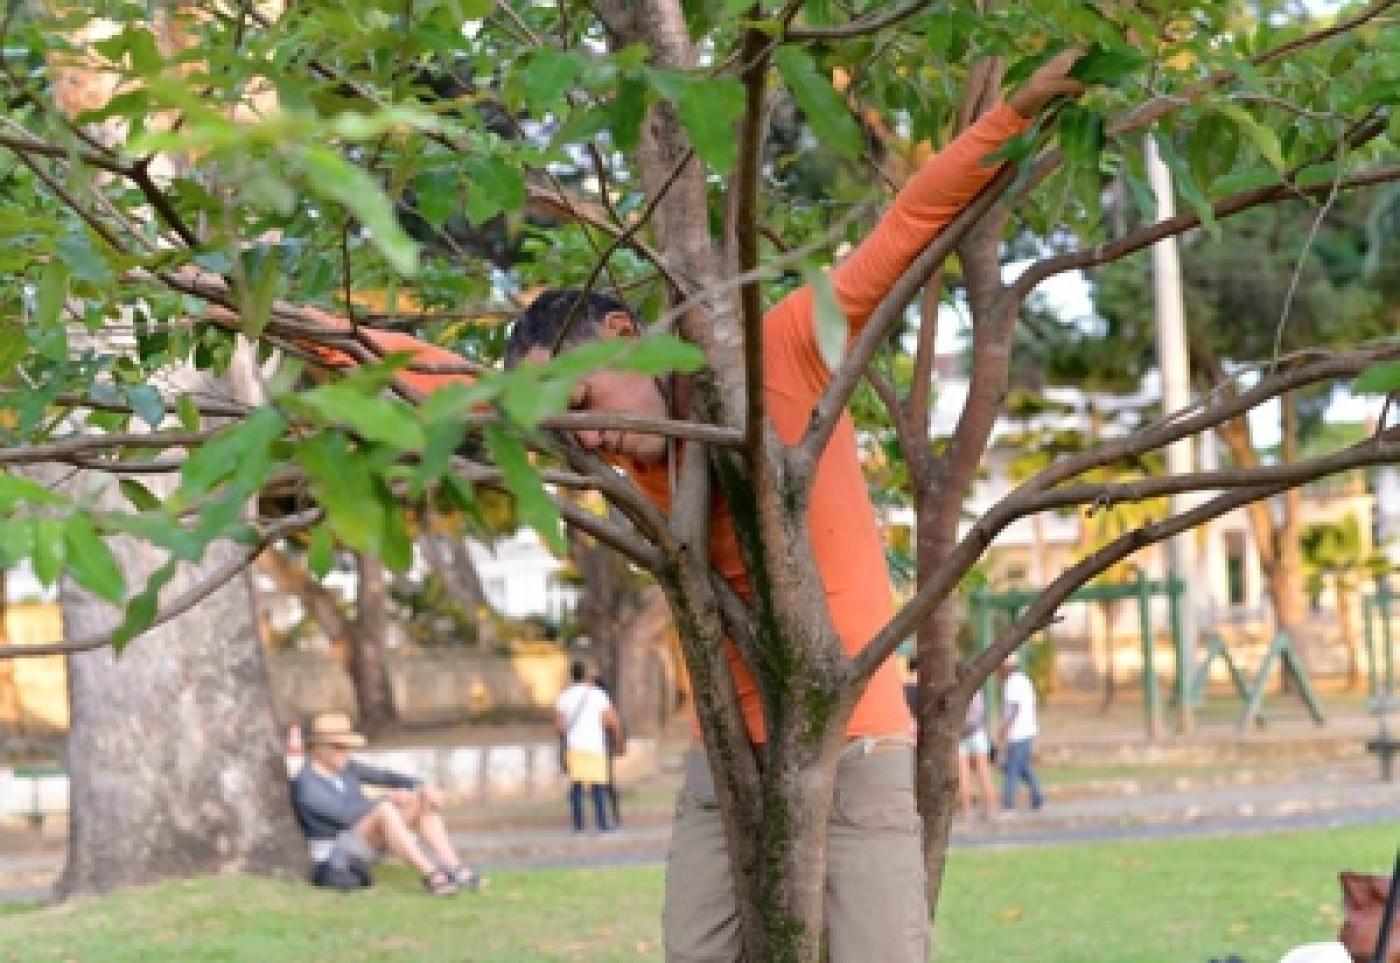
{"type": "Point", "coordinates": [540, 324]}
{"type": "Point", "coordinates": [578, 671]}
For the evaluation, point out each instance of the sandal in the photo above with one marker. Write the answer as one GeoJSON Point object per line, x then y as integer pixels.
{"type": "Point", "coordinates": [466, 878]}
{"type": "Point", "coordinates": [440, 883]}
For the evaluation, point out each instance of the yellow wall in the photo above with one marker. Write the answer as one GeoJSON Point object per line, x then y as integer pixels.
{"type": "Point", "coordinates": [39, 686]}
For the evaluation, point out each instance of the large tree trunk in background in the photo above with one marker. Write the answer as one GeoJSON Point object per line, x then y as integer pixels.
{"type": "Point", "coordinates": [175, 762]}
{"type": "Point", "coordinates": [1289, 589]}
{"type": "Point", "coordinates": [451, 562]}
{"type": "Point", "coordinates": [359, 641]}
{"type": "Point", "coordinates": [626, 624]}
{"type": "Point", "coordinates": [1277, 542]}
{"type": "Point", "coordinates": [369, 668]}
{"type": "Point", "coordinates": [320, 603]}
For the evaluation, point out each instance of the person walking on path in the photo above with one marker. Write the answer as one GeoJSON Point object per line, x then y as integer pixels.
{"type": "Point", "coordinates": [875, 908]}
{"type": "Point", "coordinates": [584, 718]}
{"type": "Point", "coordinates": [343, 824]}
{"type": "Point", "coordinates": [1018, 732]}
{"type": "Point", "coordinates": [974, 759]}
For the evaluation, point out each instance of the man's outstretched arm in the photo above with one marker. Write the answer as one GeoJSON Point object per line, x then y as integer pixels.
{"type": "Point", "coordinates": [940, 189]}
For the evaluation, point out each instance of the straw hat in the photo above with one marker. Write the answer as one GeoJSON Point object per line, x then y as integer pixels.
{"type": "Point", "coordinates": [334, 729]}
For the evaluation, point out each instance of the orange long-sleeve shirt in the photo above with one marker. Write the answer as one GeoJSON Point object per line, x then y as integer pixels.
{"type": "Point", "coordinates": [845, 539]}
{"type": "Point", "coordinates": [849, 553]}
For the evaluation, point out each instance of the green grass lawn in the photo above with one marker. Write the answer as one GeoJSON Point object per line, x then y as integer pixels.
{"type": "Point", "coordinates": [1169, 901]}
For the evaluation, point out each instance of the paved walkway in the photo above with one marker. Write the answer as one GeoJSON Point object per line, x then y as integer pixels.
{"type": "Point", "coordinates": [1104, 782]}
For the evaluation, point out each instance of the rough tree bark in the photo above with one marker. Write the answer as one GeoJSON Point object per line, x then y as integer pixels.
{"type": "Point", "coordinates": [175, 762]}
{"type": "Point", "coordinates": [369, 666]}
{"type": "Point", "coordinates": [1276, 538]}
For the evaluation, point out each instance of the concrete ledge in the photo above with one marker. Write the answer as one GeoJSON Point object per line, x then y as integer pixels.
{"type": "Point", "coordinates": [464, 773]}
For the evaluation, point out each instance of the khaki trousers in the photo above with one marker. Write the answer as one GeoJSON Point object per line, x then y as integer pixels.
{"type": "Point", "coordinates": [875, 908]}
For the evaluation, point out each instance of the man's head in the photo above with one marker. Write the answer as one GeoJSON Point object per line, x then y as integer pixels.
{"type": "Point", "coordinates": [588, 318]}
{"type": "Point", "coordinates": [1008, 667]}
{"type": "Point", "coordinates": [330, 738]}
{"type": "Point", "coordinates": [578, 671]}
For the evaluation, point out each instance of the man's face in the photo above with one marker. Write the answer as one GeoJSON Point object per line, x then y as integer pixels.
{"type": "Point", "coordinates": [616, 392]}
{"type": "Point", "coordinates": [332, 758]}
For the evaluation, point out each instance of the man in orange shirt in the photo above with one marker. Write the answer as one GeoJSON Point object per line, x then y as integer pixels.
{"type": "Point", "coordinates": [875, 876]}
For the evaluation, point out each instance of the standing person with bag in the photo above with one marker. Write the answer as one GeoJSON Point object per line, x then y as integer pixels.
{"type": "Point", "coordinates": [583, 717]}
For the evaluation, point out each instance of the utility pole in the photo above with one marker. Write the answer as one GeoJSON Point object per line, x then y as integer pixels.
{"type": "Point", "coordinates": [1174, 366]}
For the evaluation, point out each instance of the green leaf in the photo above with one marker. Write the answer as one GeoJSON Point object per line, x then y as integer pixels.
{"type": "Point", "coordinates": [1263, 138]}
{"type": "Point", "coordinates": [141, 610]}
{"type": "Point", "coordinates": [13, 348]}
{"type": "Point", "coordinates": [1186, 184]}
{"type": "Point", "coordinates": [256, 300]}
{"type": "Point", "coordinates": [532, 504]}
{"type": "Point", "coordinates": [628, 107]}
{"type": "Point", "coordinates": [833, 329]}
{"type": "Point", "coordinates": [548, 74]}
{"type": "Point", "coordinates": [1101, 67]}
{"type": "Point", "coordinates": [91, 562]}
{"type": "Point", "coordinates": [147, 403]}
{"type": "Point", "coordinates": [16, 540]}
{"type": "Point", "coordinates": [15, 489]}
{"type": "Point", "coordinates": [824, 108]}
{"type": "Point", "coordinates": [83, 259]}
{"type": "Point", "coordinates": [1081, 135]}
{"type": "Point", "coordinates": [48, 549]}
{"type": "Point", "coordinates": [239, 448]}
{"type": "Point", "coordinates": [527, 402]}
{"type": "Point", "coordinates": [53, 291]}
{"type": "Point", "coordinates": [493, 186]}
{"type": "Point", "coordinates": [321, 554]}
{"type": "Point", "coordinates": [395, 546]}
{"type": "Point", "coordinates": [373, 418]}
{"type": "Point", "coordinates": [707, 108]}
{"type": "Point", "coordinates": [138, 495]}
{"type": "Point", "coordinates": [438, 196]}
{"type": "Point", "coordinates": [1245, 180]}
{"type": "Point", "coordinates": [1143, 196]}
{"type": "Point", "coordinates": [344, 487]}
{"type": "Point", "coordinates": [1379, 379]}
{"type": "Point", "coordinates": [188, 412]}
{"type": "Point", "coordinates": [330, 176]}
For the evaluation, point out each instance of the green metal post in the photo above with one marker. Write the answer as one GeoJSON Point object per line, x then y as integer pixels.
{"type": "Point", "coordinates": [1175, 589]}
{"type": "Point", "coordinates": [1149, 672]}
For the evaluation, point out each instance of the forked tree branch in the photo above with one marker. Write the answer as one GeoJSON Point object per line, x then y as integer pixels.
{"type": "Point", "coordinates": [1035, 495]}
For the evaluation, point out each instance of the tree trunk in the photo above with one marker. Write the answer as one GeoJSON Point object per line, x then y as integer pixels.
{"type": "Point", "coordinates": [369, 668]}
{"type": "Point", "coordinates": [175, 762]}
{"type": "Point", "coordinates": [451, 562]}
{"type": "Point", "coordinates": [1289, 583]}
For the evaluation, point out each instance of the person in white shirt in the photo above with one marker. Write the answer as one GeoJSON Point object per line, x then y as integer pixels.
{"type": "Point", "coordinates": [1018, 732]}
{"type": "Point", "coordinates": [584, 717]}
